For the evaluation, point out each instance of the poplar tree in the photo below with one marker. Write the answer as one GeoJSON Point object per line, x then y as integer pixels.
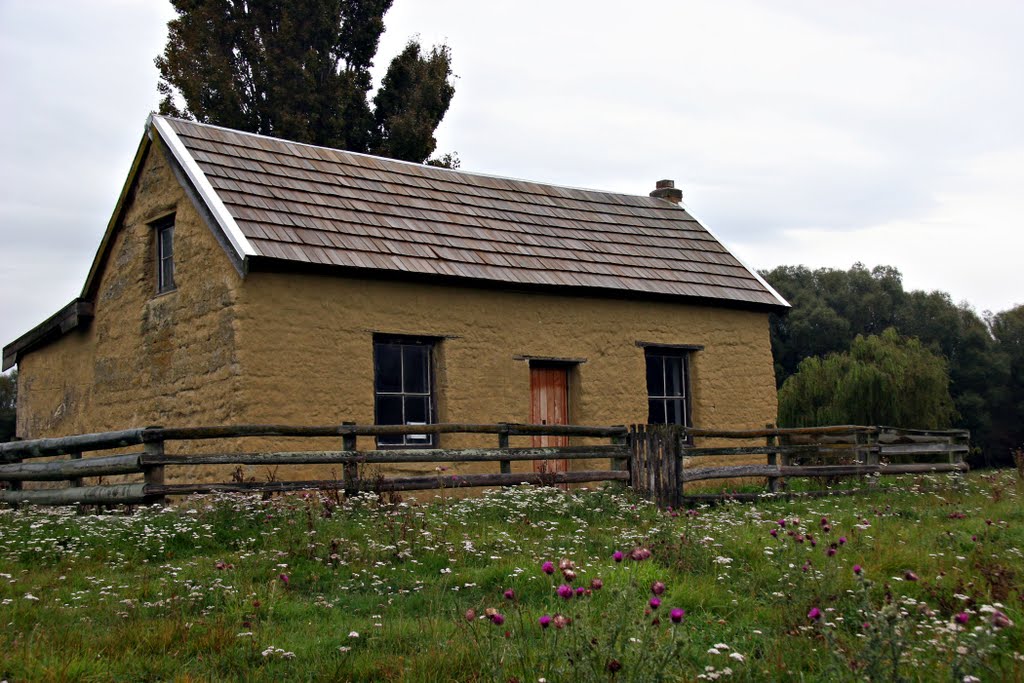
{"type": "Point", "coordinates": [300, 70]}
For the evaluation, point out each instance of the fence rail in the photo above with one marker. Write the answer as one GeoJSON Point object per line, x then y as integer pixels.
{"type": "Point", "coordinates": [656, 460]}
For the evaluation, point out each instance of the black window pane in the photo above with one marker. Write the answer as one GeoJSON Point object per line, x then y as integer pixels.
{"type": "Point", "coordinates": [655, 412]}
{"type": "Point", "coordinates": [389, 410]}
{"type": "Point", "coordinates": [417, 360]}
{"type": "Point", "coordinates": [416, 410]}
{"type": "Point", "coordinates": [676, 411]}
{"type": "Point", "coordinates": [655, 376]}
{"type": "Point", "coordinates": [387, 369]}
{"type": "Point", "coordinates": [673, 376]}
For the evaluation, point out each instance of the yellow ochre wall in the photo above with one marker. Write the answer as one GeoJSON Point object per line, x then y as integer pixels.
{"type": "Point", "coordinates": [292, 348]}
{"type": "Point", "coordinates": [144, 359]}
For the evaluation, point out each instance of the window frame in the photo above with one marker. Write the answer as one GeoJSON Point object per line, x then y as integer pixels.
{"type": "Point", "coordinates": [408, 441]}
{"type": "Point", "coordinates": [164, 226]}
{"type": "Point", "coordinates": [682, 353]}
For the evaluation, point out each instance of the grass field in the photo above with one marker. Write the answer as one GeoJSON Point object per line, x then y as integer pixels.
{"type": "Point", "coordinates": [315, 588]}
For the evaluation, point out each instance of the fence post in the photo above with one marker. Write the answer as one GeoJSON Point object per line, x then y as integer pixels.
{"type": "Point", "coordinates": [153, 475]}
{"type": "Point", "coordinates": [16, 485]}
{"type": "Point", "coordinates": [679, 445]}
{"type": "Point", "coordinates": [506, 465]}
{"type": "Point", "coordinates": [350, 470]}
{"type": "Point", "coordinates": [620, 464]}
{"type": "Point", "coordinates": [770, 441]}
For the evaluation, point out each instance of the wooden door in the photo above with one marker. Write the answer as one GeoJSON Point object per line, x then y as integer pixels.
{"type": "Point", "coordinates": [549, 404]}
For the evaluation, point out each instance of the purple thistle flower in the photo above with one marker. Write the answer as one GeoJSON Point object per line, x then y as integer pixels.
{"type": "Point", "coordinates": [565, 591]}
{"type": "Point", "coordinates": [284, 578]}
{"type": "Point", "coordinates": [596, 584]}
{"type": "Point", "coordinates": [677, 615]}
{"type": "Point", "coordinates": [498, 619]}
{"type": "Point", "coordinates": [657, 587]}
{"type": "Point", "coordinates": [580, 590]}
{"type": "Point", "coordinates": [857, 569]}
{"type": "Point", "coordinates": [774, 533]}
{"type": "Point", "coordinates": [1000, 620]}
{"type": "Point", "coordinates": [782, 523]}
{"type": "Point", "coordinates": [548, 568]}
{"type": "Point", "coordinates": [962, 618]}
{"type": "Point", "coordinates": [655, 603]}
{"type": "Point", "coordinates": [824, 521]}
{"type": "Point", "coordinates": [842, 540]}
{"type": "Point", "coordinates": [544, 621]}
{"type": "Point", "coordinates": [510, 594]}
{"type": "Point", "coordinates": [617, 556]}
{"type": "Point", "coordinates": [814, 614]}
{"type": "Point", "coordinates": [909, 575]}
{"type": "Point", "coordinates": [831, 551]}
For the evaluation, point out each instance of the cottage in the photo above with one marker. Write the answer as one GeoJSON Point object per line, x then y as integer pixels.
{"type": "Point", "coordinates": [246, 279]}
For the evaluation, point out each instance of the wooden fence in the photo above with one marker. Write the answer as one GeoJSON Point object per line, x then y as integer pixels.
{"type": "Point", "coordinates": [652, 459]}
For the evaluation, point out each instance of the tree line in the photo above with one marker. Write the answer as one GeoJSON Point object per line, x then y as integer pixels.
{"type": "Point", "coordinates": [858, 348]}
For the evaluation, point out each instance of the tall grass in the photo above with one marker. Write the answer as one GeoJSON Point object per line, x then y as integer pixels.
{"type": "Point", "coordinates": [314, 588]}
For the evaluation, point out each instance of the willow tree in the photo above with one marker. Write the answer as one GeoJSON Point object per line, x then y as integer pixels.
{"type": "Point", "coordinates": [301, 70]}
{"type": "Point", "coordinates": [883, 379]}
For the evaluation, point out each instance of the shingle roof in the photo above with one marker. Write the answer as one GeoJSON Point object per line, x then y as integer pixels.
{"type": "Point", "coordinates": [311, 204]}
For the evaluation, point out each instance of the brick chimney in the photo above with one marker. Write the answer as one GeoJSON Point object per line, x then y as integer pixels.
{"type": "Point", "coordinates": [666, 189]}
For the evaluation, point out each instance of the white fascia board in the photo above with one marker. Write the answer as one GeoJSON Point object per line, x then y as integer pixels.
{"type": "Point", "coordinates": [202, 184]}
{"type": "Point", "coordinates": [779, 297]}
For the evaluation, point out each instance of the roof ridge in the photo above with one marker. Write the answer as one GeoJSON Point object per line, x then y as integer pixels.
{"type": "Point", "coordinates": [402, 162]}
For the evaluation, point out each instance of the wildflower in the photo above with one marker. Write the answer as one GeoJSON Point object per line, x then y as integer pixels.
{"type": "Point", "coordinates": [774, 533]}
{"type": "Point", "coordinates": [353, 634]}
{"type": "Point", "coordinates": [657, 587]}
{"type": "Point", "coordinates": [857, 569]}
{"type": "Point", "coordinates": [614, 666]}
{"type": "Point", "coordinates": [617, 556]}
{"type": "Point", "coordinates": [655, 603]}
{"type": "Point", "coordinates": [677, 615]}
{"type": "Point", "coordinates": [814, 614]}
{"type": "Point", "coordinates": [565, 591]}
{"type": "Point", "coordinates": [569, 575]}
{"type": "Point", "coordinates": [830, 552]}
{"type": "Point", "coordinates": [344, 648]}
{"type": "Point", "coordinates": [737, 656]}
{"type": "Point", "coordinates": [565, 563]}
{"type": "Point", "coordinates": [596, 584]}
{"type": "Point", "coordinates": [639, 554]}
{"type": "Point", "coordinates": [548, 568]}
{"type": "Point", "coordinates": [470, 615]}
{"type": "Point", "coordinates": [509, 594]}
{"type": "Point", "coordinates": [544, 621]}
{"type": "Point", "coordinates": [1000, 620]}
{"type": "Point", "coordinates": [962, 618]}
{"type": "Point", "coordinates": [497, 619]}
{"type": "Point", "coordinates": [561, 621]}
{"type": "Point", "coordinates": [842, 540]}
{"type": "Point", "coordinates": [782, 523]}
{"type": "Point", "coordinates": [284, 578]}
{"type": "Point", "coordinates": [580, 591]}
{"type": "Point", "coordinates": [909, 575]}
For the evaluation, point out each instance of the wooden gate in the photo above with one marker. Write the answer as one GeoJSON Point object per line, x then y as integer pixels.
{"type": "Point", "coordinates": [656, 463]}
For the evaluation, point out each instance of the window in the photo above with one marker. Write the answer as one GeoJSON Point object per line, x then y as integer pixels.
{"type": "Point", "coordinates": [668, 372]}
{"type": "Point", "coordinates": [164, 231]}
{"type": "Point", "coordinates": [403, 387]}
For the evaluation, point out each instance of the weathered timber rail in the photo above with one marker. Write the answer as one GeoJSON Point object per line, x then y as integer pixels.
{"type": "Point", "coordinates": [653, 459]}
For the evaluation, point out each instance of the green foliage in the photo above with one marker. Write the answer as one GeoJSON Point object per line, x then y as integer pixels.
{"type": "Point", "coordinates": [8, 405]}
{"type": "Point", "coordinates": [301, 71]}
{"type": "Point", "coordinates": [882, 380]}
{"type": "Point", "coordinates": [831, 307]}
{"type": "Point", "coordinates": [1008, 329]}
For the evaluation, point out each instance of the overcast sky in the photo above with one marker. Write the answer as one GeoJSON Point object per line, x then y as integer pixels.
{"type": "Point", "coordinates": [801, 132]}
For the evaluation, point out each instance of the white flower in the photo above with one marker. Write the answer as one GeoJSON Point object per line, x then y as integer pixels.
{"type": "Point", "coordinates": [721, 646]}
{"type": "Point", "coordinates": [29, 596]}
{"type": "Point", "coordinates": [353, 634]}
{"type": "Point", "coordinates": [737, 656]}
{"type": "Point", "coordinates": [713, 651]}
{"type": "Point", "coordinates": [344, 648]}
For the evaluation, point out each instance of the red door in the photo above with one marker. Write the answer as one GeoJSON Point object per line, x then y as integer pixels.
{"type": "Point", "coordinates": [549, 404]}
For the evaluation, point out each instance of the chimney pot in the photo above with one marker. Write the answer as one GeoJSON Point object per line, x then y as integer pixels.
{"type": "Point", "coordinates": [666, 189]}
